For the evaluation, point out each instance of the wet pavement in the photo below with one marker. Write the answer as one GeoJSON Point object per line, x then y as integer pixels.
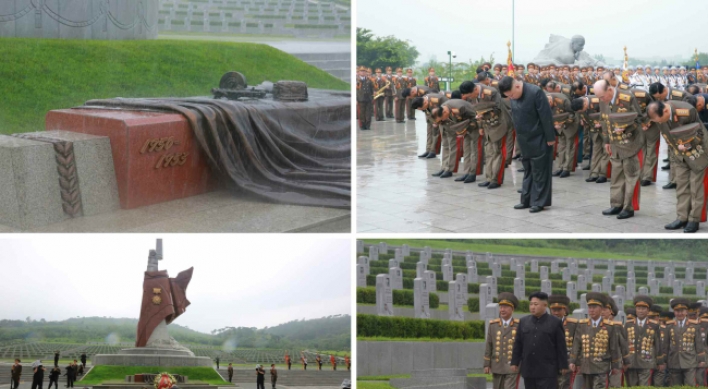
{"type": "Point", "coordinates": [396, 193]}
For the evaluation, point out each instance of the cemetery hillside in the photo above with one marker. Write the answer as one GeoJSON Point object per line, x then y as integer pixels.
{"type": "Point", "coordinates": [32, 338]}
{"type": "Point", "coordinates": [48, 74]}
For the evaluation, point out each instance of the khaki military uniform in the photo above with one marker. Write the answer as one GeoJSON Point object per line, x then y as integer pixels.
{"type": "Point", "coordinates": [644, 351]}
{"type": "Point", "coordinates": [497, 353]}
{"type": "Point", "coordinates": [685, 351]}
{"type": "Point", "coordinates": [662, 378]}
{"type": "Point", "coordinates": [569, 326]}
{"type": "Point", "coordinates": [651, 137]}
{"type": "Point", "coordinates": [460, 112]}
{"type": "Point", "coordinates": [625, 147]}
{"type": "Point", "coordinates": [496, 125]}
{"type": "Point", "coordinates": [615, 380]}
{"type": "Point", "coordinates": [674, 95]}
{"type": "Point", "coordinates": [380, 82]}
{"type": "Point", "coordinates": [399, 103]}
{"type": "Point", "coordinates": [410, 83]}
{"type": "Point", "coordinates": [596, 351]}
{"type": "Point", "coordinates": [433, 83]}
{"type": "Point", "coordinates": [600, 158]}
{"type": "Point", "coordinates": [433, 131]}
{"type": "Point", "coordinates": [364, 98]}
{"type": "Point", "coordinates": [689, 167]}
{"type": "Point", "coordinates": [567, 135]}
{"type": "Point", "coordinates": [389, 94]}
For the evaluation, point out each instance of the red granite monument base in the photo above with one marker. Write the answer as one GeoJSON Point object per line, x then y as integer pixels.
{"type": "Point", "coordinates": [156, 156]}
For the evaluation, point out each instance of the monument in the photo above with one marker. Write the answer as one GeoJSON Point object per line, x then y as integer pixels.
{"type": "Point", "coordinates": [164, 300]}
{"type": "Point", "coordinates": [563, 51]}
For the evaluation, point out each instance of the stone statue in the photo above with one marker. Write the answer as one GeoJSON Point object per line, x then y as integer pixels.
{"type": "Point", "coordinates": [164, 299]}
{"type": "Point", "coordinates": [563, 51]}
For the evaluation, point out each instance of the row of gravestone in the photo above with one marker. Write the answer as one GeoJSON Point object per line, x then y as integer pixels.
{"type": "Point", "coordinates": [291, 7]}
{"type": "Point", "coordinates": [425, 282]}
{"type": "Point", "coordinates": [573, 263]}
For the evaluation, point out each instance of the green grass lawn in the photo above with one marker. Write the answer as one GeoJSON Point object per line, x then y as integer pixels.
{"type": "Point", "coordinates": [103, 374]}
{"type": "Point", "coordinates": [509, 249]}
{"type": "Point", "coordinates": [387, 339]}
{"type": "Point", "coordinates": [385, 378]}
{"type": "Point", "coordinates": [39, 75]}
{"type": "Point", "coordinates": [373, 385]}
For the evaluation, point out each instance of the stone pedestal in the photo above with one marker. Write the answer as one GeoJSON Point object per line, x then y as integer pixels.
{"type": "Point", "coordinates": [147, 173]}
{"type": "Point", "coordinates": [144, 356]}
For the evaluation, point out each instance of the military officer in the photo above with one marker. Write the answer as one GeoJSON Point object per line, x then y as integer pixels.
{"type": "Point", "coordinates": [623, 141]}
{"type": "Point", "coordinates": [567, 133]}
{"type": "Point", "coordinates": [410, 83]}
{"type": "Point", "coordinates": [662, 378]}
{"type": "Point", "coordinates": [455, 115]}
{"type": "Point", "coordinates": [530, 77]}
{"type": "Point", "coordinates": [495, 124]}
{"type": "Point", "coordinates": [399, 82]}
{"type": "Point", "coordinates": [426, 104]}
{"type": "Point", "coordinates": [589, 109]}
{"type": "Point", "coordinates": [661, 92]}
{"type": "Point", "coordinates": [389, 93]}
{"type": "Point", "coordinates": [609, 312]}
{"type": "Point", "coordinates": [498, 75]}
{"type": "Point", "coordinates": [685, 350]}
{"type": "Point", "coordinates": [644, 339]}
{"type": "Point", "coordinates": [364, 98]}
{"type": "Point", "coordinates": [379, 83]}
{"type": "Point", "coordinates": [559, 305]}
{"type": "Point", "coordinates": [702, 76]}
{"type": "Point", "coordinates": [687, 146]}
{"type": "Point", "coordinates": [432, 81]}
{"type": "Point", "coordinates": [701, 376]}
{"type": "Point", "coordinates": [596, 350]}
{"type": "Point", "coordinates": [500, 343]}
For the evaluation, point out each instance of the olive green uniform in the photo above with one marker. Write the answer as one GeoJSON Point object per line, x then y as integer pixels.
{"type": "Point", "coordinates": [497, 353]}
{"type": "Point", "coordinates": [644, 351]}
{"type": "Point", "coordinates": [596, 352]}
{"type": "Point", "coordinates": [365, 97]}
{"type": "Point", "coordinates": [662, 378]}
{"type": "Point", "coordinates": [399, 103]}
{"type": "Point", "coordinates": [496, 124]}
{"type": "Point", "coordinates": [600, 158]}
{"type": "Point", "coordinates": [460, 112]}
{"type": "Point", "coordinates": [410, 83]}
{"type": "Point", "coordinates": [433, 131]}
{"type": "Point", "coordinates": [685, 351]}
{"type": "Point", "coordinates": [569, 326]}
{"type": "Point", "coordinates": [567, 133]}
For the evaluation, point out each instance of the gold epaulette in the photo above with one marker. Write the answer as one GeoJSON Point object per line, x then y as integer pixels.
{"type": "Point", "coordinates": [571, 320]}
{"type": "Point", "coordinates": [653, 321]}
{"type": "Point", "coordinates": [617, 323]}
{"type": "Point", "coordinates": [495, 321]}
{"type": "Point", "coordinates": [693, 321]}
{"type": "Point", "coordinates": [670, 322]}
{"type": "Point", "coordinates": [516, 321]}
{"type": "Point", "coordinates": [608, 322]}
{"type": "Point", "coordinates": [583, 321]}
{"type": "Point", "coordinates": [630, 321]}
{"type": "Point", "coordinates": [487, 359]}
{"type": "Point", "coordinates": [704, 320]}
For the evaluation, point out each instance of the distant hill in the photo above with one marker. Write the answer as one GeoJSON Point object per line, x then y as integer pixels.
{"type": "Point", "coordinates": [327, 333]}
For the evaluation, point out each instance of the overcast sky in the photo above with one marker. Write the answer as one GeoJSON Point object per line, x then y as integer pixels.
{"type": "Point", "coordinates": [239, 280]}
{"type": "Point", "coordinates": [475, 28]}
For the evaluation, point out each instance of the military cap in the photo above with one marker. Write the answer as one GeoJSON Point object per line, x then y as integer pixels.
{"type": "Point", "coordinates": [679, 303]}
{"type": "Point", "coordinates": [399, 70]}
{"type": "Point", "coordinates": [558, 301]}
{"type": "Point", "coordinates": [504, 66]}
{"type": "Point", "coordinates": [497, 66]}
{"type": "Point", "coordinates": [611, 305]}
{"type": "Point", "coordinates": [666, 316]}
{"type": "Point", "coordinates": [630, 67]}
{"type": "Point", "coordinates": [595, 298]}
{"type": "Point", "coordinates": [551, 66]}
{"type": "Point", "coordinates": [431, 69]}
{"type": "Point", "coordinates": [647, 67]}
{"type": "Point", "coordinates": [642, 300]}
{"type": "Point", "coordinates": [623, 119]}
{"type": "Point", "coordinates": [487, 63]}
{"type": "Point", "coordinates": [703, 311]}
{"type": "Point", "coordinates": [377, 70]}
{"type": "Point", "coordinates": [655, 310]}
{"type": "Point", "coordinates": [631, 313]}
{"type": "Point", "coordinates": [388, 68]}
{"type": "Point", "coordinates": [694, 307]}
{"type": "Point", "coordinates": [682, 68]}
{"type": "Point", "coordinates": [368, 70]}
{"type": "Point", "coordinates": [362, 68]}
{"type": "Point", "coordinates": [506, 298]}
{"type": "Point", "coordinates": [664, 68]}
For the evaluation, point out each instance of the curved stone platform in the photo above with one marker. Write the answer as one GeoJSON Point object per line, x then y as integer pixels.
{"type": "Point", "coordinates": [146, 356]}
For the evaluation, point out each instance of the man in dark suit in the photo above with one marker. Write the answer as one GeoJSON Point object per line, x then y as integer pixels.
{"type": "Point", "coordinates": [533, 121]}
{"type": "Point", "coordinates": [16, 372]}
{"type": "Point", "coordinates": [540, 346]}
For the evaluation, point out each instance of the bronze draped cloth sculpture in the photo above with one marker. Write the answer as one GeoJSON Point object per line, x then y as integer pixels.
{"type": "Point", "coordinates": [164, 298]}
{"type": "Point", "coordinates": [290, 152]}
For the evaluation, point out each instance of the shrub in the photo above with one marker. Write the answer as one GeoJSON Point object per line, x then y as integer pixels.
{"type": "Point", "coordinates": [406, 327]}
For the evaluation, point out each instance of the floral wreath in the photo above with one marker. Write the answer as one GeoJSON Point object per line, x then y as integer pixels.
{"type": "Point", "coordinates": [156, 382]}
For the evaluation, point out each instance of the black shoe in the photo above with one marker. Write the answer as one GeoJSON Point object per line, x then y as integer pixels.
{"type": "Point", "coordinates": [424, 155]}
{"type": "Point", "coordinates": [586, 157]}
{"type": "Point", "coordinates": [625, 214]}
{"type": "Point", "coordinates": [670, 185]}
{"type": "Point", "coordinates": [521, 170]}
{"type": "Point", "coordinates": [470, 178]}
{"type": "Point", "coordinates": [667, 167]}
{"type": "Point", "coordinates": [364, 128]}
{"type": "Point", "coordinates": [493, 185]}
{"type": "Point", "coordinates": [612, 211]}
{"type": "Point", "coordinates": [461, 178]}
{"type": "Point", "coordinates": [565, 174]}
{"type": "Point", "coordinates": [691, 227]}
{"type": "Point", "coordinates": [535, 209]}
{"type": "Point", "coordinates": [557, 173]}
{"type": "Point", "coordinates": [517, 156]}
{"type": "Point", "coordinates": [431, 155]}
{"type": "Point", "coordinates": [601, 180]}
{"type": "Point", "coordinates": [521, 206]}
{"type": "Point", "coordinates": [675, 225]}
{"type": "Point", "coordinates": [665, 160]}
{"type": "Point", "coordinates": [645, 183]}
{"type": "Point", "coordinates": [400, 121]}
{"type": "Point", "coordinates": [446, 174]}
{"type": "Point", "coordinates": [586, 167]}
{"type": "Point", "coordinates": [483, 184]}
{"type": "Point", "coordinates": [518, 191]}
{"type": "Point", "coordinates": [591, 179]}
{"type": "Point", "coordinates": [438, 174]}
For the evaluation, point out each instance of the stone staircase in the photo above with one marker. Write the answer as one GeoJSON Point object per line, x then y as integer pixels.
{"type": "Point", "coordinates": [336, 64]}
{"type": "Point", "coordinates": [439, 379]}
{"type": "Point", "coordinates": [295, 377]}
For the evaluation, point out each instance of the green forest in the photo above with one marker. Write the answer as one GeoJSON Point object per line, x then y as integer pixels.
{"type": "Point", "coordinates": [327, 333]}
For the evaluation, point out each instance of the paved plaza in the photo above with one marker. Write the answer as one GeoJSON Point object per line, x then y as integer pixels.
{"type": "Point", "coordinates": [396, 193]}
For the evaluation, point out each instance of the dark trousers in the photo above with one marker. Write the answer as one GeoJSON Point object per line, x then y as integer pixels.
{"type": "Point", "coordinates": [230, 377]}
{"type": "Point", "coordinates": [14, 383]}
{"type": "Point", "coordinates": [37, 384]}
{"type": "Point", "coordinates": [260, 384]}
{"type": "Point", "coordinates": [536, 186]}
{"type": "Point", "coordinates": [366, 109]}
{"type": "Point", "coordinates": [389, 106]}
{"type": "Point", "coordinates": [380, 109]}
{"type": "Point", "coordinates": [55, 382]}
{"type": "Point", "coordinates": [289, 365]}
{"type": "Point", "coordinates": [70, 381]}
{"type": "Point", "coordinates": [541, 383]}
{"type": "Point", "coordinates": [273, 380]}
